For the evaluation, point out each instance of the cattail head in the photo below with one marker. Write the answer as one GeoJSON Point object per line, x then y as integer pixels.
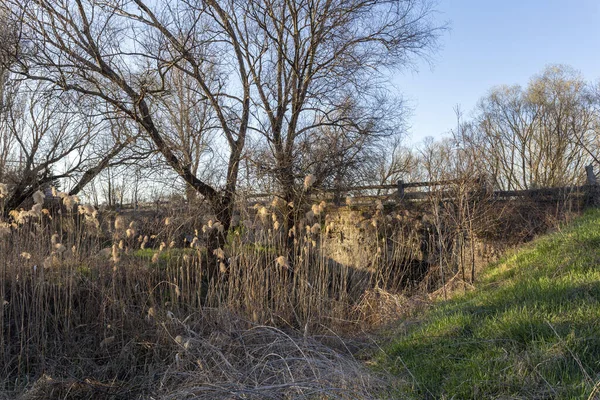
{"type": "Point", "coordinates": [219, 253]}
{"type": "Point", "coordinates": [21, 216]}
{"type": "Point", "coordinates": [38, 197]}
{"type": "Point", "coordinates": [90, 210]}
{"type": "Point", "coordinates": [263, 212]}
{"type": "Point", "coordinates": [3, 190]}
{"type": "Point", "coordinates": [162, 246]}
{"type": "Point", "coordinates": [316, 209]}
{"type": "Point", "coordinates": [315, 229]}
{"type": "Point", "coordinates": [278, 202]}
{"type": "Point", "coordinates": [309, 180]}
{"type": "Point", "coordinates": [68, 202]}
{"type": "Point", "coordinates": [59, 248]}
{"type": "Point", "coordinates": [309, 215]}
{"type": "Point", "coordinates": [119, 223]}
{"type": "Point", "coordinates": [330, 227]}
{"type": "Point", "coordinates": [54, 191]}
{"type": "Point", "coordinates": [282, 261]}
{"type": "Point", "coordinates": [276, 225]}
{"type": "Point", "coordinates": [54, 239]}
{"type": "Point", "coordinates": [219, 227]}
{"type": "Point", "coordinates": [155, 258]}
{"type": "Point", "coordinates": [168, 221]}
{"type": "Point", "coordinates": [36, 210]}
{"type": "Point", "coordinates": [25, 255]}
{"type": "Point", "coordinates": [115, 253]}
{"type": "Point", "coordinates": [49, 261]}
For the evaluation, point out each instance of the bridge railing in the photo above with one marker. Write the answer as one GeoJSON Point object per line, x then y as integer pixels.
{"type": "Point", "coordinates": [424, 190]}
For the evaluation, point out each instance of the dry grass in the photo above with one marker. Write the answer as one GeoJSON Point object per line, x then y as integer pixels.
{"type": "Point", "coordinates": [96, 305]}
{"type": "Point", "coordinates": [218, 356]}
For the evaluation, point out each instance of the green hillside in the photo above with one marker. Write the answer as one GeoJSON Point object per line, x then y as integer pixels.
{"type": "Point", "coordinates": [530, 330]}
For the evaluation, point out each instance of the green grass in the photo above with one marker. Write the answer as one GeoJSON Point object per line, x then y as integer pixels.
{"type": "Point", "coordinates": [530, 330]}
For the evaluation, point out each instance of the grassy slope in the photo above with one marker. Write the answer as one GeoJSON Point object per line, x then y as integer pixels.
{"type": "Point", "coordinates": [530, 330]}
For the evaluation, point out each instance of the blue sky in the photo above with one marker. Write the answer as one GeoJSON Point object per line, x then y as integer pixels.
{"type": "Point", "coordinates": [492, 43]}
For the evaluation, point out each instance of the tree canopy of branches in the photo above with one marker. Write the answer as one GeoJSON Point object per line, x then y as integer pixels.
{"type": "Point", "coordinates": [46, 136]}
{"type": "Point", "coordinates": [288, 70]}
{"type": "Point", "coordinates": [318, 68]}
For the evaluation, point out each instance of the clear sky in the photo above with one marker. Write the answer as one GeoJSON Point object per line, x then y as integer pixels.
{"type": "Point", "coordinates": [492, 43]}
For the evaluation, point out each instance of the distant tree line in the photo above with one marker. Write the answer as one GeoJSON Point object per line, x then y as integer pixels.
{"type": "Point", "coordinates": [516, 138]}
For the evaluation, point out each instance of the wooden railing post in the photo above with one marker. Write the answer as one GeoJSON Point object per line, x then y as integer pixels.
{"type": "Point", "coordinates": [593, 192]}
{"type": "Point", "coordinates": [400, 185]}
{"type": "Point", "coordinates": [591, 177]}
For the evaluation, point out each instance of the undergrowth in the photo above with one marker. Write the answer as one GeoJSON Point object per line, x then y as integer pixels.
{"type": "Point", "coordinates": [98, 305]}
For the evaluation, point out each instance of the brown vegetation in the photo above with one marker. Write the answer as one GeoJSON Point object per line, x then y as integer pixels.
{"type": "Point", "coordinates": [98, 304]}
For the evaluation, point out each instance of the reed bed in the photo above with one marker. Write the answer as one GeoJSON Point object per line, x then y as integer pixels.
{"type": "Point", "coordinates": [168, 305]}
{"type": "Point", "coordinates": [99, 305]}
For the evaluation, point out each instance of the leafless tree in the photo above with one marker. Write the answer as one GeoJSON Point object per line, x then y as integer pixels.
{"type": "Point", "coordinates": [397, 162]}
{"type": "Point", "coordinates": [317, 66]}
{"type": "Point", "coordinates": [190, 126]}
{"type": "Point", "coordinates": [120, 53]}
{"type": "Point", "coordinates": [286, 70]}
{"type": "Point", "coordinates": [536, 136]}
{"type": "Point", "coordinates": [47, 139]}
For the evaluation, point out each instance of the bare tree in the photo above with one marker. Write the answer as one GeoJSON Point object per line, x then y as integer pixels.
{"type": "Point", "coordinates": [190, 126]}
{"type": "Point", "coordinates": [317, 69]}
{"type": "Point", "coordinates": [49, 140]}
{"type": "Point", "coordinates": [120, 53]}
{"type": "Point", "coordinates": [537, 136]}
{"type": "Point", "coordinates": [285, 70]}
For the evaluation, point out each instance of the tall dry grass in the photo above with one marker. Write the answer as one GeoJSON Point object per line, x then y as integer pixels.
{"type": "Point", "coordinates": [110, 305]}
{"type": "Point", "coordinates": [125, 305]}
